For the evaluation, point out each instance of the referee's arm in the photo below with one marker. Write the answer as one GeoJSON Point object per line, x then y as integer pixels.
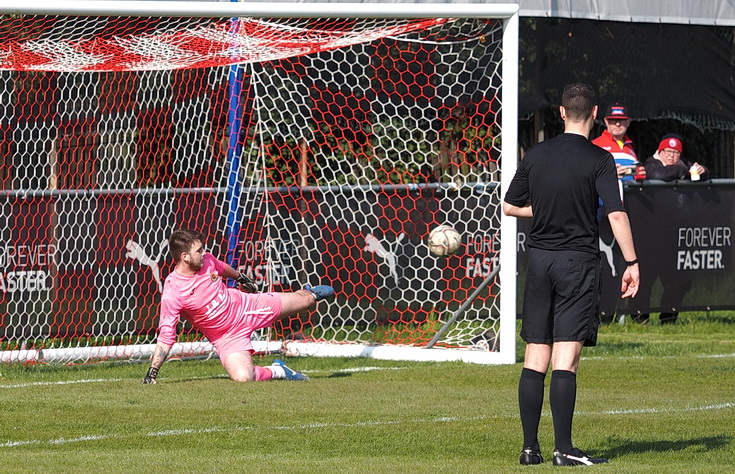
{"type": "Point", "coordinates": [620, 225]}
{"type": "Point", "coordinates": [517, 211]}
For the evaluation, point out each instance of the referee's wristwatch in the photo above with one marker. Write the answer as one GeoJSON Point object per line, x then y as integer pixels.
{"type": "Point", "coordinates": [631, 263]}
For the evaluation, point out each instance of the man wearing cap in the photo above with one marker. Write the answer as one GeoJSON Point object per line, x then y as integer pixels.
{"type": "Point", "coordinates": [668, 163]}
{"type": "Point", "coordinates": [615, 140]}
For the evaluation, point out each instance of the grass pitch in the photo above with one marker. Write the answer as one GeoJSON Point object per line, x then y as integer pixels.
{"type": "Point", "coordinates": [651, 398]}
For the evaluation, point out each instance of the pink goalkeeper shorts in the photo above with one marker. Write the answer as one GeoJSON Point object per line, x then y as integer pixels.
{"type": "Point", "coordinates": [257, 311]}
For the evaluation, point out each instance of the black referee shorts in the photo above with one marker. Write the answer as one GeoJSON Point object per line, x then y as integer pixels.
{"type": "Point", "coordinates": [562, 297]}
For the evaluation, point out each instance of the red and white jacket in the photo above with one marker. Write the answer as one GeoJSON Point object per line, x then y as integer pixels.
{"type": "Point", "coordinates": [607, 142]}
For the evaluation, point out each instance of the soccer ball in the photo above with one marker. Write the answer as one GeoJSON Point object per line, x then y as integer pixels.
{"type": "Point", "coordinates": [444, 241]}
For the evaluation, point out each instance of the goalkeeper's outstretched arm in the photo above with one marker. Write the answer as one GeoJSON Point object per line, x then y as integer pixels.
{"type": "Point", "coordinates": [246, 284]}
{"type": "Point", "coordinates": [159, 357]}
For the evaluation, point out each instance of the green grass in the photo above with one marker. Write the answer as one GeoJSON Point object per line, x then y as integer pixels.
{"type": "Point", "coordinates": [651, 398]}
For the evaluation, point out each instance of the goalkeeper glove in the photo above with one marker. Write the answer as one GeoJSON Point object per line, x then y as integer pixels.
{"type": "Point", "coordinates": [150, 376]}
{"type": "Point", "coordinates": [246, 284]}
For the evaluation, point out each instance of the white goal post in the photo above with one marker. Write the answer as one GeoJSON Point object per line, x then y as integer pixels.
{"type": "Point", "coordinates": [311, 142]}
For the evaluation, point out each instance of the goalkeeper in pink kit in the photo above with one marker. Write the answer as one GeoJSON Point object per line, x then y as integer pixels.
{"type": "Point", "coordinates": [227, 317]}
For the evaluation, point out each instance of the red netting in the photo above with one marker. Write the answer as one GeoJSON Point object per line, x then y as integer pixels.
{"type": "Point", "coordinates": [52, 43]}
{"type": "Point", "coordinates": [330, 167]}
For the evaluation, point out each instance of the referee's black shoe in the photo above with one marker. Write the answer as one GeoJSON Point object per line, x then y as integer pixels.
{"type": "Point", "coordinates": [530, 456]}
{"type": "Point", "coordinates": [575, 457]}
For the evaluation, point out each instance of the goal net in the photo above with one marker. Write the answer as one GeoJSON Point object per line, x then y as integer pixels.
{"type": "Point", "coordinates": [309, 145]}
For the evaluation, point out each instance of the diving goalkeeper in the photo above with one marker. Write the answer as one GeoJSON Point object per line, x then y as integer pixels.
{"type": "Point", "coordinates": [226, 316]}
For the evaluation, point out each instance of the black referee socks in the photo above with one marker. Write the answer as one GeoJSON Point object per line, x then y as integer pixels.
{"type": "Point", "coordinates": [530, 401]}
{"type": "Point", "coordinates": [562, 397]}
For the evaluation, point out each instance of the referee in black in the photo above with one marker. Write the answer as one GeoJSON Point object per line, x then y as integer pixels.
{"type": "Point", "coordinates": [558, 185]}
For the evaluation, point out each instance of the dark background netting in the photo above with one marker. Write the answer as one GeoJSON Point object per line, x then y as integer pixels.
{"type": "Point", "coordinates": [658, 70]}
{"type": "Point", "coordinates": [673, 78]}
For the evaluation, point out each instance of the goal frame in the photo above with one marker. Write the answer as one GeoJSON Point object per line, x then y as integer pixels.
{"type": "Point", "coordinates": [507, 12]}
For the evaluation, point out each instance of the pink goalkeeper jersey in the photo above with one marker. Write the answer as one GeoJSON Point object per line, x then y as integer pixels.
{"type": "Point", "coordinates": [202, 299]}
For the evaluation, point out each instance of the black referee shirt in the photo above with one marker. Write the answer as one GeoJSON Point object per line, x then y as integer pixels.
{"type": "Point", "coordinates": [563, 178]}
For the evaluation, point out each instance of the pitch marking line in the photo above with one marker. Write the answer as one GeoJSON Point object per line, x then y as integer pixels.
{"type": "Point", "coordinates": [70, 382]}
{"type": "Point", "coordinates": [718, 406]}
{"type": "Point", "coordinates": [446, 419]}
{"type": "Point", "coordinates": [348, 370]}
{"type": "Point", "coordinates": [65, 382]}
{"type": "Point", "coordinates": [640, 357]}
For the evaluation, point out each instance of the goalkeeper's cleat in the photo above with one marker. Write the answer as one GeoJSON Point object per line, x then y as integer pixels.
{"type": "Point", "coordinates": [530, 456]}
{"type": "Point", "coordinates": [320, 292]}
{"type": "Point", "coordinates": [290, 373]}
{"type": "Point", "coordinates": [575, 457]}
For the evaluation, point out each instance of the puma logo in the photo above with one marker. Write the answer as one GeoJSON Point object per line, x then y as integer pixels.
{"type": "Point", "coordinates": [607, 250]}
{"type": "Point", "coordinates": [374, 245]}
{"type": "Point", "coordinates": [136, 252]}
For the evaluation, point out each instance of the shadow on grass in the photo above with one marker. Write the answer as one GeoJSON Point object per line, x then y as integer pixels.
{"type": "Point", "coordinates": [624, 447]}
{"type": "Point", "coordinates": [338, 375]}
{"type": "Point", "coordinates": [727, 317]}
{"type": "Point", "coordinates": [195, 379]}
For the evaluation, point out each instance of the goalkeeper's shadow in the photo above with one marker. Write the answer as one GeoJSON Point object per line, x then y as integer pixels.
{"type": "Point", "coordinates": [196, 379]}
{"type": "Point", "coordinates": [338, 374]}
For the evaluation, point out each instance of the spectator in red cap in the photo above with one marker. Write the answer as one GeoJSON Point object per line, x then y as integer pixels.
{"type": "Point", "coordinates": [615, 140]}
{"type": "Point", "coordinates": [669, 164]}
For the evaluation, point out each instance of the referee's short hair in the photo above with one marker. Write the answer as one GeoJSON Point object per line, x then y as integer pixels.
{"type": "Point", "coordinates": [578, 100]}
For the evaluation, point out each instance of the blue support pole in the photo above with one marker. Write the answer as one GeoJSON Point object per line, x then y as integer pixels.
{"type": "Point", "coordinates": [234, 149]}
